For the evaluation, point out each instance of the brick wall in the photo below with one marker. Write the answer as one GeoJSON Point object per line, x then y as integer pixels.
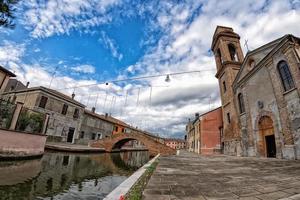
{"type": "Point", "coordinates": [210, 132]}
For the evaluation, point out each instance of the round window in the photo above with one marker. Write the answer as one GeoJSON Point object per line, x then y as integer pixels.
{"type": "Point", "coordinates": [251, 64]}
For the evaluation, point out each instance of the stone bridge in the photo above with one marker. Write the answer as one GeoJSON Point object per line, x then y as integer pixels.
{"type": "Point", "coordinates": [118, 140]}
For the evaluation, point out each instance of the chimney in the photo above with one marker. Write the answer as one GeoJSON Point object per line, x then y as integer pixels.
{"type": "Point", "coordinates": [106, 115]}
{"type": "Point", "coordinates": [197, 115]}
{"type": "Point", "coordinates": [93, 109]}
{"type": "Point", "coordinates": [73, 95]}
{"type": "Point", "coordinates": [27, 84]}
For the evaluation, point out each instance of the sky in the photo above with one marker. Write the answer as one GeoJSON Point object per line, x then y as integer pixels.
{"type": "Point", "coordinates": [69, 44]}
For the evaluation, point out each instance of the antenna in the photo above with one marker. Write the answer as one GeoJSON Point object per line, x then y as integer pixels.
{"type": "Point", "coordinates": [88, 100]}
{"type": "Point", "coordinates": [96, 102]}
{"type": "Point", "coordinates": [105, 102]}
{"type": "Point", "coordinates": [125, 104]}
{"type": "Point", "coordinates": [52, 77]}
{"type": "Point", "coordinates": [138, 97]}
{"type": "Point", "coordinates": [150, 97]}
{"type": "Point", "coordinates": [111, 105]}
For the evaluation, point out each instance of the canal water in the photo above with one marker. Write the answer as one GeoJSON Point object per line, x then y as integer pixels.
{"type": "Point", "coordinates": [68, 176]}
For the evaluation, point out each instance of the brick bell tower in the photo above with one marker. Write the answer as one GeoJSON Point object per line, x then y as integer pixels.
{"type": "Point", "coordinates": [229, 57]}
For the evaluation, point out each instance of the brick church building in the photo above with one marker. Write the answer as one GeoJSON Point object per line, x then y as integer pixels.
{"type": "Point", "coordinates": [260, 95]}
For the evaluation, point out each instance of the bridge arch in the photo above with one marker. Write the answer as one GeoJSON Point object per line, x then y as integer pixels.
{"type": "Point", "coordinates": [151, 144]}
{"type": "Point", "coordinates": [119, 144]}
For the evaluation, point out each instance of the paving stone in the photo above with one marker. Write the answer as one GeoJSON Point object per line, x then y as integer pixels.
{"type": "Point", "coordinates": [295, 197]}
{"type": "Point", "coordinates": [191, 176]}
{"type": "Point", "coordinates": [195, 197]}
{"type": "Point", "coordinates": [267, 189]}
{"type": "Point", "coordinates": [273, 195]}
{"type": "Point", "coordinates": [158, 197]}
{"type": "Point", "coordinates": [246, 192]}
{"type": "Point", "coordinates": [156, 191]}
{"type": "Point", "coordinates": [220, 196]}
{"type": "Point", "coordinates": [292, 190]}
{"type": "Point", "coordinates": [248, 198]}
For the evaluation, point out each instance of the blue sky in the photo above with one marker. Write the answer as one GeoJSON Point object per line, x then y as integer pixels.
{"type": "Point", "coordinates": [108, 47]}
{"type": "Point", "coordinates": [79, 42]}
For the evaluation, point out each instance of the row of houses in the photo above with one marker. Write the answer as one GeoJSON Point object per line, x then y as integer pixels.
{"type": "Point", "coordinates": [65, 119]}
{"type": "Point", "coordinates": [260, 96]}
{"type": "Point", "coordinates": [175, 143]}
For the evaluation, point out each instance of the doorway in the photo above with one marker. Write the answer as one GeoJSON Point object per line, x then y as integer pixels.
{"type": "Point", "coordinates": [267, 141]}
{"type": "Point", "coordinates": [70, 135]}
{"type": "Point", "coordinates": [270, 146]}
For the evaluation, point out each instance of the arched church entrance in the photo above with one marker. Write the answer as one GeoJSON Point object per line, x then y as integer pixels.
{"type": "Point", "coordinates": [267, 144]}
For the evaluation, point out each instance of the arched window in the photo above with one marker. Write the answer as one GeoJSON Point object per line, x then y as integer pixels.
{"type": "Point", "coordinates": [241, 103]}
{"type": "Point", "coordinates": [285, 75]}
{"type": "Point", "coordinates": [232, 52]}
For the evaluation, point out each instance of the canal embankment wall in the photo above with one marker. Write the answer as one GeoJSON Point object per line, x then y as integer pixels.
{"type": "Point", "coordinates": [126, 185]}
{"type": "Point", "coordinates": [14, 144]}
{"type": "Point", "coordinates": [74, 148]}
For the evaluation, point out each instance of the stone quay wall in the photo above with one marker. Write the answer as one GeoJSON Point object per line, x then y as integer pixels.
{"type": "Point", "coordinates": [18, 145]}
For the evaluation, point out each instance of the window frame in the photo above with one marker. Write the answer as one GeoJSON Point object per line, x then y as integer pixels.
{"type": "Point", "coordinates": [42, 104]}
{"type": "Point", "coordinates": [224, 86]}
{"type": "Point", "coordinates": [241, 103]}
{"type": "Point", "coordinates": [285, 75]}
{"type": "Point", "coordinates": [82, 135]}
{"type": "Point", "coordinates": [235, 56]}
{"type": "Point", "coordinates": [76, 113]}
{"type": "Point", "coordinates": [93, 136]}
{"type": "Point", "coordinates": [228, 118]}
{"type": "Point", "coordinates": [64, 110]}
{"type": "Point", "coordinates": [219, 56]}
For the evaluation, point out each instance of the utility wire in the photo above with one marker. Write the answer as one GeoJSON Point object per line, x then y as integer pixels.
{"type": "Point", "coordinates": [134, 78]}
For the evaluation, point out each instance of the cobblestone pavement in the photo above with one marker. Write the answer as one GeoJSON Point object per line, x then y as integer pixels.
{"type": "Point", "coordinates": [190, 176]}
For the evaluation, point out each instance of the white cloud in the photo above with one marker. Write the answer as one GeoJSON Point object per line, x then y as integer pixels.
{"type": "Point", "coordinates": [88, 69]}
{"type": "Point", "coordinates": [111, 45]}
{"type": "Point", "coordinates": [37, 50]}
{"type": "Point", "coordinates": [11, 52]}
{"type": "Point", "coordinates": [184, 46]}
{"type": "Point", "coordinates": [46, 18]}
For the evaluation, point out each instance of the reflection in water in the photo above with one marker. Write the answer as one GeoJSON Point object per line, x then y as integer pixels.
{"type": "Point", "coordinates": [12, 173]}
{"type": "Point", "coordinates": [130, 160]}
{"type": "Point", "coordinates": [67, 176]}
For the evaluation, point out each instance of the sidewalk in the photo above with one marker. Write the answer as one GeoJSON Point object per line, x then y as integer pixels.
{"type": "Point", "coordinates": [190, 176]}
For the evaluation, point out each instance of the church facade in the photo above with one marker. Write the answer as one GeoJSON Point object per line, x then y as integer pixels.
{"type": "Point", "coordinates": [260, 95]}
